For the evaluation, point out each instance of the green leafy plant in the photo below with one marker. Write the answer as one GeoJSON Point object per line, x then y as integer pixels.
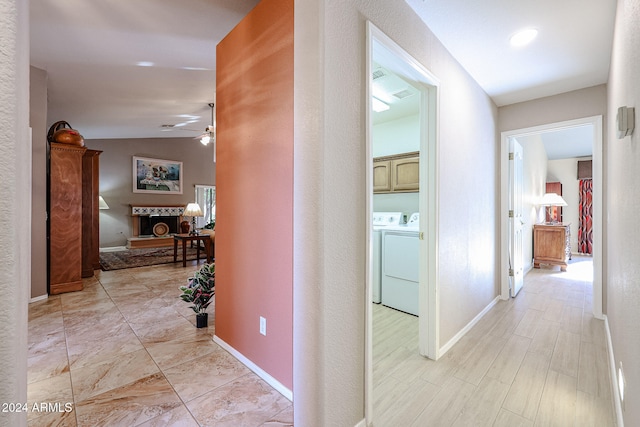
{"type": "Point", "coordinates": [200, 288]}
{"type": "Point", "coordinates": [210, 226]}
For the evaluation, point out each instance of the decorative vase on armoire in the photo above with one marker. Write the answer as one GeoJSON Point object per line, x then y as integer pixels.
{"type": "Point", "coordinates": [65, 217]}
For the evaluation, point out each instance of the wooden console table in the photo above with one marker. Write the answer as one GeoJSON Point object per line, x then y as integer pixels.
{"type": "Point", "coordinates": [551, 245]}
{"type": "Point", "coordinates": [184, 238]}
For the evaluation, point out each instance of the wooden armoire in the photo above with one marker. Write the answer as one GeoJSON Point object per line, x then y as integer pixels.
{"type": "Point", "coordinates": [73, 216]}
{"type": "Point", "coordinates": [90, 212]}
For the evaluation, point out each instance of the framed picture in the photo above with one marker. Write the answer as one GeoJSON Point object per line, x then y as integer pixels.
{"type": "Point", "coordinates": [157, 176]}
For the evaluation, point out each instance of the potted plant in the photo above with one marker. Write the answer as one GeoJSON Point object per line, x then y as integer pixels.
{"type": "Point", "coordinates": [199, 291]}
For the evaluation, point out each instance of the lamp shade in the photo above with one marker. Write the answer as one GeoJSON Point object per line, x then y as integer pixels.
{"type": "Point", "coordinates": [552, 199]}
{"type": "Point", "coordinates": [102, 204]}
{"type": "Point", "coordinates": [192, 209]}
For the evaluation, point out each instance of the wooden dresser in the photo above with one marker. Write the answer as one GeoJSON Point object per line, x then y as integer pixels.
{"type": "Point", "coordinates": [551, 245]}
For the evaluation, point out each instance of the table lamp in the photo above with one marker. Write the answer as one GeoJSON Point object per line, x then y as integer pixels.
{"type": "Point", "coordinates": [193, 210]}
{"type": "Point", "coordinates": [552, 199]}
{"type": "Point", "coordinates": [102, 204]}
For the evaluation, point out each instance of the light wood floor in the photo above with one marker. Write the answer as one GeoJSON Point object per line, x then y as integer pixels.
{"type": "Point", "coordinates": [539, 359]}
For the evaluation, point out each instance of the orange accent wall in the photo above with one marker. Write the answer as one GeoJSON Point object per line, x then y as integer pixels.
{"type": "Point", "coordinates": [254, 188]}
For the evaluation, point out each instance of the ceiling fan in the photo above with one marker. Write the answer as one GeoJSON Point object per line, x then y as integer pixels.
{"type": "Point", "coordinates": [209, 134]}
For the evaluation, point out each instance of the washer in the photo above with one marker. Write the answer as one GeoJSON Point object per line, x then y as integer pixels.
{"type": "Point", "coordinates": [381, 221]}
{"type": "Point", "coordinates": [401, 266]}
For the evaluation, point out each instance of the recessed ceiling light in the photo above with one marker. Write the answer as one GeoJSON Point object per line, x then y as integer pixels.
{"type": "Point", "coordinates": [379, 106]}
{"type": "Point", "coordinates": [523, 37]}
{"type": "Point", "coordinates": [145, 64]}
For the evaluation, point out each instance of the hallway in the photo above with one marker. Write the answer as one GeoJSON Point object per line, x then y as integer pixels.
{"type": "Point", "coordinates": [539, 359]}
{"type": "Point", "coordinates": [125, 352]}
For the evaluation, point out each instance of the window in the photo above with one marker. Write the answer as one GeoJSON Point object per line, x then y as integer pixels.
{"type": "Point", "coordinates": [206, 198]}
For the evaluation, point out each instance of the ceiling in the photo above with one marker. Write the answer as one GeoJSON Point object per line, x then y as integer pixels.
{"type": "Point", "coordinates": [572, 50]}
{"type": "Point", "coordinates": [91, 51]}
{"type": "Point", "coordinates": [398, 94]}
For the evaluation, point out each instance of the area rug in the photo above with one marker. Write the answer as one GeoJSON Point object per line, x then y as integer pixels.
{"type": "Point", "coordinates": [131, 258]}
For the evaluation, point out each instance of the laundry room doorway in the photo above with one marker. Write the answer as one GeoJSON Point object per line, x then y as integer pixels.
{"type": "Point", "coordinates": [401, 151]}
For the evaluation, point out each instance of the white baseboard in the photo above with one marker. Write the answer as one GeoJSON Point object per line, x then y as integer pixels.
{"type": "Point", "coordinates": [113, 249]}
{"type": "Point", "coordinates": [527, 269]}
{"type": "Point", "coordinates": [255, 368]}
{"type": "Point", "coordinates": [614, 375]}
{"type": "Point", "coordinates": [362, 423]}
{"type": "Point", "coordinates": [453, 341]}
{"type": "Point", "coordinates": [40, 298]}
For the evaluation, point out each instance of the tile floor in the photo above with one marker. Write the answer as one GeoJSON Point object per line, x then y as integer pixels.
{"type": "Point", "coordinates": [539, 359]}
{"type": "Point", "coordinates": [125, 352]}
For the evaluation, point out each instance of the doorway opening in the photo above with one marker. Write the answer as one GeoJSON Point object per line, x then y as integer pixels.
{"type": "Point", "coordinates": [421, 91]}
{"type": "Point", "coordinates": [592, 126]}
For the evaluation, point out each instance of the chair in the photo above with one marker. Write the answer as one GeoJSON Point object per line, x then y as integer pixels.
{"type": "Point", "coordinates": [212, 236]}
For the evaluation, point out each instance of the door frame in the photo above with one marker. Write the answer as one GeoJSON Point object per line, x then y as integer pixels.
{"type": "Point", "coordinates": [597, 155]}
{"type": "Point", "coordinates": [380, 45]}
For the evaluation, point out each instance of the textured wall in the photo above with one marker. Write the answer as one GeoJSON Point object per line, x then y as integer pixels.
{"type": "Point", "coordinates": [623, 200]}
{"type": "Point", "coordinates": [254, 214]}
{"type": "Point", "coordinates": [38, 123]}
{"type": "Point", "coordinates": [577, 104]}
{"type": "Point", "coordinates": [15, 205]}
{"type": "Point", "coordinates": [330, 197]}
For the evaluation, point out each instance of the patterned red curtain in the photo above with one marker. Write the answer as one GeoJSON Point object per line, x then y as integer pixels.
{"type": "Point", "coordinates": [585, 212]}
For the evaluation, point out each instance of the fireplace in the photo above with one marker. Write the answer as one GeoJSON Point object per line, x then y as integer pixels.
{"type": "Point", "coordinates": [146, 224]}
{"type": "Point", "coordinates": [145, 218]}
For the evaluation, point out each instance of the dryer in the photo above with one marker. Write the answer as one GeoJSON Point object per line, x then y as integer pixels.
{"type": "Point", "coordinates": [401, 266]}
{"type": "Point", "coordinates": [381, 221]}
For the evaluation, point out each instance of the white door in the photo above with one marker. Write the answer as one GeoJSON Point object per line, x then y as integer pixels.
{"type": "Point", "coordinates": [516, 261]}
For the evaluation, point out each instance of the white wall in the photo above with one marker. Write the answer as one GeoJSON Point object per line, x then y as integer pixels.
{"type": "Point", "coordinates": [15, 206]}
{"type": "Point", "coordinates": [395, 137]}
{"type": "Point", "coordinates": [329, 197]}
{"type": "Point", "coordinates": [565, 171]}
{"type": "Point", "coordinates": [622, 197]}
{"type": "Point", "coordinates": [400, 202]}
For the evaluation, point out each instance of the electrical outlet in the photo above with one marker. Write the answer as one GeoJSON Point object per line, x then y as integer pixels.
{"type": "Point", "coordinates": [263, 326]}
